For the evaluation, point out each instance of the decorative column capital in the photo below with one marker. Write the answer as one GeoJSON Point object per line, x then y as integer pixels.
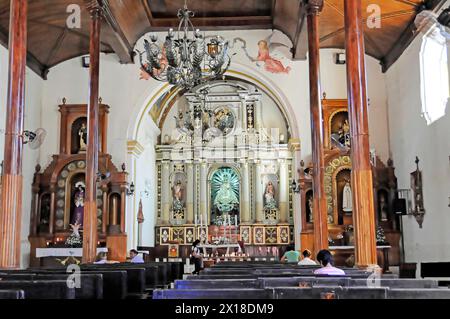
{"type": "Point", "coordinates": [313, 6]}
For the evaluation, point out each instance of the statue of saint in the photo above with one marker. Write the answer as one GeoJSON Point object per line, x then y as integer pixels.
{"type": "Point", "coordinates": [346, 130]}
{"type": "Point", "coordinates": [383, 208]}
{"type": "Point", "coordinates": [78, 213]}
{"type": "Point", "coordinates": [311, 212]}
{"type": "Point", "coordinates": [269, 197]}
{"type": "Point", "coordinates": [82, 133]}
{"type": "Point", "coordinates": [226, 199]}
{"type": "Point", "coordinates": [347, 198]}
{"type": "Point", "coordinates": [178, 196]}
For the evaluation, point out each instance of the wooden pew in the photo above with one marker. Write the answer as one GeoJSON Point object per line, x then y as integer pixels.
{"type": "Point", "coordinates": [216, 283]}
{"type": "Point", "coordinates": [329, 292]}
{"type": "Point", "coordinates": [41, 289]}
{"type": "Point", "coordinates": [229, 294]}
{"type": "Point", "coordinates": [91, 285]}
{"type": "Point", "coordinates": [12, 294]}
{"type": "Point", "coordinates": [114, 281]}
{"type": "Point", "coordinates": [433, 293]}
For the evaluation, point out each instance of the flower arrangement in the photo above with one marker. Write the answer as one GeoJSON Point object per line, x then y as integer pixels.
{"type": "Point", "coordinates": [381, 237]}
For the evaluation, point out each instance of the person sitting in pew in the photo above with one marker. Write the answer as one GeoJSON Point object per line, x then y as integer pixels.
{"type": "Point", "coordinates": [135, 257]}
{"type": "Point", "coordinates": [102, 258]}
{"type": "Point", "coordinates": [325, 259]}
{"type": "Point", "coordinates": [291, 255]}
{"type": "Point", "coordinates": [307, 261]}
{"type": "Point", "coordinates": [196, 257]}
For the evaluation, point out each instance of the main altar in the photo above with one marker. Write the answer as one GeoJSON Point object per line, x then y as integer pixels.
{"type": "Point", "coordinates": [223, 176]}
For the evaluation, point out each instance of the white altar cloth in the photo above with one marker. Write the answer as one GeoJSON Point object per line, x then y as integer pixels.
{"type": "Point", "coordinates": [227, 246]}
{"type": "Point", "coordinates": [64, 252]}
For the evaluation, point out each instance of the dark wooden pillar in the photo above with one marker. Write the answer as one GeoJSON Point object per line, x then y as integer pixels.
{"type": "Point", "coordinates": [90, 207]}
{"type": "Point", "coordinates": [363, 207]}
{"type": "Point", "coordinates": [319, 198]}
{"type": "Point", "coordinates": [11, 201]}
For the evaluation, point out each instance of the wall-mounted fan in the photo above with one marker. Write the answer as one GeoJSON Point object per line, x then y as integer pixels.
{"type": "Point", "coordinates": [433, 24]}
{"type": "Point", "coordinates": [34, 139]}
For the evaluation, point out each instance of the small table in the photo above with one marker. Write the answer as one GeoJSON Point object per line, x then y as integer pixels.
{"type": "Point", "coordinates": [215, 247]}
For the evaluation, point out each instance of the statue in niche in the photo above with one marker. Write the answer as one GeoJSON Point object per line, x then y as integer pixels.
{"type": "Point", "coordinates": [346, 131]}
{"type": "Point", "coordinates": [311, 213]}
{"type": "Point", "coordinates": [178, 196]}
{"type": "Point", "coordinates": [269, 197]}
{"type": "Point", "coordinates": [78, 213]}
{"type": "Point", "coordinates": [82, 133]}
{"type": "Point", "coordinates": [347, 198]}
{"type": "Point", "coordinates": [383, 208]}
{"type": "Point", "coordinates": [226, 199]}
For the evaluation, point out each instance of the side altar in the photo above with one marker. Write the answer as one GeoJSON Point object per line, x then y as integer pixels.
{"type": "Point", "coordinates": [338, 189]}
{"type": "Point", "coordinates": [223, 176]}
{"type": "Point", "coordinates": [58, 190]}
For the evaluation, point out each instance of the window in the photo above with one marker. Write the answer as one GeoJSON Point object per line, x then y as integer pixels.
{"type": "Point", "coordinates": [434, 76]}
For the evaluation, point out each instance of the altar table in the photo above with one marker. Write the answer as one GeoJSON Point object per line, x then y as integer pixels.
{"type": "Point", "coordinates": [215, 247]}
{"type": "Point", "coordinates": [64, 252]}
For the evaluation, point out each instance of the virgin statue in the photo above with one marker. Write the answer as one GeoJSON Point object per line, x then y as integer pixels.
{"type": "Point", "coordinates": [226, 199]}
{"type": "Point", "coordinates": [82, 132]}
{"type": "Point", "coordinates": [269, 197]}
{"type": "Point", "coordinates": [178, 196]}
{"type": "Point", "coordinates": [347, 198]}
{"type": "Point", "coordinates": [78, 213]}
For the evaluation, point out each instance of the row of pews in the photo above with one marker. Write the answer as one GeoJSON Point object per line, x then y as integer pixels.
{"type": "Point", "coordinates": [283, 281]}
{"type": "Point", "coordinates": [109, 281]}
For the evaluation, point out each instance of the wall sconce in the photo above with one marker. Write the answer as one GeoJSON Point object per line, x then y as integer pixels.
{"type": "Point", "coordinates": [86, 61]}
{"type": "Point", "coordinates": [131, 189]}
{"type": "Point", "coordinates": [295, 187]}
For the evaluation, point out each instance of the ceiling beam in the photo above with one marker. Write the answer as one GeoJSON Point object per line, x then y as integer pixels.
{"type": "Point", "coordinates": [119, 42]}
{"type": "Point", "coordinates": [407, 37]}
{"type": "Point", "coordinates": [250, 22]}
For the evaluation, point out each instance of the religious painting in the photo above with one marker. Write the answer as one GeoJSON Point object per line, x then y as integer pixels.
{"type": "Point", "coordinates": [246, 235]}
{"type": "Point", "coordinates": [258, 235]}
{"type": "Point", "coordinates": [283, 235]}
{"type": "Point", "coordinates": [269, 57]}
{"type": "Point", "coordinates": [224, 120]}
{"type": "Point", "coordinates": [173, 251]}
{"type": "Point", "coordinates": [178, 235]}
{"type": "Point", "coordinates": [225, 194]}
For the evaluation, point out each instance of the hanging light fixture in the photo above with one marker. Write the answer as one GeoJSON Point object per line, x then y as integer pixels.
{"type": "Point", "coordinates": [185, 59]}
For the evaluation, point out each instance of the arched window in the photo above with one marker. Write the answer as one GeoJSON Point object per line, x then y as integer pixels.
{"type": "Point", "coordinates": [434, 76]}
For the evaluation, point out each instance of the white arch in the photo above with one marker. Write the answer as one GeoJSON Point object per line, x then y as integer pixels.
{"type": "Point", "coordinates": [238, 70]}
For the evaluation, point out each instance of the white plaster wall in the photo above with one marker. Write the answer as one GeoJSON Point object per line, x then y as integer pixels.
{"type": "Point", "coordinates": [33, 103]}
{"type": "Point", "coordinates": [410, 137]}
{"type": "Point", "coordinates": [122, 90]}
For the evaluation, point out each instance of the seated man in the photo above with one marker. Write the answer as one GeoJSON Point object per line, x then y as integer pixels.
{"type": "Point", "coordinates": [307, 261]}
{"type": "Point", "coordinates": [135, 258]}
{"type": "Point", "coordinates": [102, 258]}
{"type": "Point", "coordinates": [325, 259]}
{"type": "Point", "coordinates": [291, 255]}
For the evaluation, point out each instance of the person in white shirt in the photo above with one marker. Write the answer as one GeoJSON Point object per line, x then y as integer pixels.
{"type": "Point", "coordinates": [307, 261]}
{"type": "Point", "coordinates": [135, 258]}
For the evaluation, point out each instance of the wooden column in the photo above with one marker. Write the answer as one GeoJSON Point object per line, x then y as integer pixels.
{"type": "Point", "coordinates": [319, 199]}
{"type": "Point", "coordinates": [90, 207]}
{"type": "Point", "coordinates": [11, 201]}
{"type": "Point", "coordinates": [363, 208]}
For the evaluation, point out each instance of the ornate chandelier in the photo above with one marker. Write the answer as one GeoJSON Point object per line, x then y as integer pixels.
{"type": "Point", "coordinates": [184, 59]}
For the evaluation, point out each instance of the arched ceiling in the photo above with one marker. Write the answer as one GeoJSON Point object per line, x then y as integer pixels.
{"type": "Point", "coordinates": [51, 41]}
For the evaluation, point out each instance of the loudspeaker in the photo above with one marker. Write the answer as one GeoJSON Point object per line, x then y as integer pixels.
{"type": "Point", "coordinates": [400, 206]}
